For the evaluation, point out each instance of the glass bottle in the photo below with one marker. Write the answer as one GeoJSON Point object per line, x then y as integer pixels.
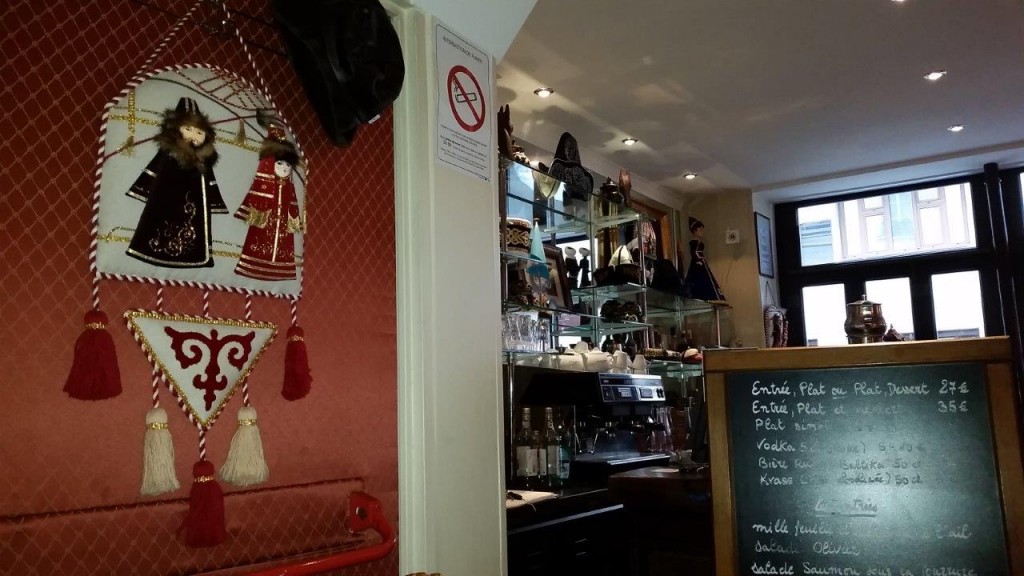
{"type": "Point", "coordinates": [526, 456]}
{"type": "Point", "coordinates": [558, 445]}
{"type": "Point", "coordinates": [540, 478]}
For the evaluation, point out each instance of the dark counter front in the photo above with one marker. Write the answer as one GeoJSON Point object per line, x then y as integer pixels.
{"type": "Point", "coordinates": [668, 520]}
{"type": "Point", "coordinates": [580, 532]}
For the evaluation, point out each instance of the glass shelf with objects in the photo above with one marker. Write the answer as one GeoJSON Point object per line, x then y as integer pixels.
{"type": "Point", "coordinates": [533, 204]}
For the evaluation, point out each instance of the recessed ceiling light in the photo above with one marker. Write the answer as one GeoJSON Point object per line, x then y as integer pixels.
{"type": "Point", "coordinates": [629, 141]}
{"type": "Point", "coordinates": [543, 92]}
{"type": "Point", "coordinates": [933, 76]}
{"type": "Point", "coordinates": [689, 175]}
{"type": "Point", "coordinates": [956, 128]}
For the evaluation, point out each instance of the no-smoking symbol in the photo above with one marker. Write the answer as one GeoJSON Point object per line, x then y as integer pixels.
{"type": "Point", "coordinates": [466, 99]}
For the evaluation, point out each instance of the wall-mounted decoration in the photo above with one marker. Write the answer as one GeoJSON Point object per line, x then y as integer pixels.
{"type": "Point", "coordinates": [765, 249]}
{"type": "Point", "coordinates": [200, 185]}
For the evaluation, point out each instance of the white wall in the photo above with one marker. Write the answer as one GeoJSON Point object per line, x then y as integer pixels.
{"type": "Point", "coordinates": [491, 25]}
{"type": "Point", "coordinates": [734, 266]}
{"type": "Point", "coordinates": [451, 493]}
{"type": "Point", "coordinates": [769, 287]}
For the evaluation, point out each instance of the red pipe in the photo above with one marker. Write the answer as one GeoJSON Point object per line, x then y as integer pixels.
{"type": "Point", "coordinates": [364, 511]}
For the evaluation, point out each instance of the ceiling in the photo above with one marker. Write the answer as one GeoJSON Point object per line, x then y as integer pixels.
{"type": "Point", "coordinates": [789, 97]}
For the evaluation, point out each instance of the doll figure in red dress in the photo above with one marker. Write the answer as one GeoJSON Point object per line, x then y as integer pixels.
{"type": "Point", "coordinates": [271, 210]}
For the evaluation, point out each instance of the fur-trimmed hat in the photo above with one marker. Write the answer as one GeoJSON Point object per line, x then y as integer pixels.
{"type": "Point", "coordinates": [169, 139]}
{"type": "Point", "coordinates": [276, 143]}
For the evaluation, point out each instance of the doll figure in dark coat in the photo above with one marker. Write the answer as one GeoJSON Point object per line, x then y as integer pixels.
{"type": "Point", "coordinates": [699, 278]}
{"type": "Point", "coordinates": [180, 192]}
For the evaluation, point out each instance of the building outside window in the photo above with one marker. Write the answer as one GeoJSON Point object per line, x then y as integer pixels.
{"type": "Point", "coordinates": [915, 250]}
{"type": "Point", "coordinates": [900, 224]}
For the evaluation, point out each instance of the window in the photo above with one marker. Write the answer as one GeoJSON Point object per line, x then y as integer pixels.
{"type": "Point", "coordinates": [899, 310]}
{"type": "Point", "coordinates": [897, 224]}
{"type": "Point", "coordinates": [957, 304]}
{"type": "Point", "coordinates": [825, 315]}
{"type": "Point", "coordinates": [914, 250]}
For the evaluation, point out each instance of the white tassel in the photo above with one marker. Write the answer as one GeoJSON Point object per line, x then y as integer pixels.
{"type": "Point", "coordinates": [245, 464]}
{"type": "Point", "coordinates": [158, 475]}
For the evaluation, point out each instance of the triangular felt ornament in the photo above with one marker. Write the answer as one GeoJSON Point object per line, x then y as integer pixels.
{"type": "Point", "coordinates": [203, 360]}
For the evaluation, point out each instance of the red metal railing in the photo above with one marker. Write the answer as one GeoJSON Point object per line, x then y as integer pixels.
{"type": "Point", "coordinates": [364, 511]}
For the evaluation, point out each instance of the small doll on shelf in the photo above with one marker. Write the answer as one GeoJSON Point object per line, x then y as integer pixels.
{"type": "Point", "coordinates": [584, 267]}
{"type": "Point", "coordinates": [699, 278]}
{"type": "Point", "coordinates": [572, 267]}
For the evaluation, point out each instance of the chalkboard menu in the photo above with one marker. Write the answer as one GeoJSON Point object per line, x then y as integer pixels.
{"type": "Point", "coordinates": [865, 471]}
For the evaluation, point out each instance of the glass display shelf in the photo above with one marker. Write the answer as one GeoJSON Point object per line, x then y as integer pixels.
{"type": "Point", "coordinates": [591, 293]}
{"type": "Point", "coordinates": [603, 328]}
{"type": "Point", "coordinates": [532, 189]}
{"type": "Point", "coordinates": [511, 256]}
{"type": "Point", "coordinates": [663, 305]}
{"type": "Point", "coordinates": [659, 304]}
{"type": "Point", "coordinates": [674, 369]}
{"type": "Point", "coordinates": [559, 221]}
{"type": "Point", "coordinates": [507, 306]}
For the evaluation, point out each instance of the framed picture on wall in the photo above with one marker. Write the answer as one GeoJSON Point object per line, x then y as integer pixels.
{"type": "Point", "coordinates": [559, 294]}
{"type": "Point", "coordinates": [765, 251]}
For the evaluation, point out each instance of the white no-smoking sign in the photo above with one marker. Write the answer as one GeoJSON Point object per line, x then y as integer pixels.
{"type": "Point", "coordinates": [468, 104]}
{"type": "Point", "coordinates": [463, 89]}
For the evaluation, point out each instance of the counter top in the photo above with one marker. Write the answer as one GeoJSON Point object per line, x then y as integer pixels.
{"type": "Point", "coordinates": [570, 503]}
{"type": "Point", "coordinates": [661, 487]}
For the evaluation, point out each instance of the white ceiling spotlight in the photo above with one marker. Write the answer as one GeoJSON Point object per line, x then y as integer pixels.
{"type": "Point", "coordinates": [543, 91]}
{"type": "Point", "coordinates": [933, 76]}
{"type": "Point", "coordinates": [689, 175]}
{"type": "Point", "coordinates": [956, 128]}
{"type": "Point", "coordinates": [629, 141]}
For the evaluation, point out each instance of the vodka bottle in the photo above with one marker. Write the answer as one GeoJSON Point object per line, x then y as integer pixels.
{"type": "Point", "coordinates": [526, 456]}
{"type": "Point", "coordinates": [556, 443]}
{"type": "Point", "coordinates": [541, 478]}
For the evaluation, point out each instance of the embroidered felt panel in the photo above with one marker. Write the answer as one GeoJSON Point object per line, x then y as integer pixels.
{"type": "Point", "coordinates": [192, 193]}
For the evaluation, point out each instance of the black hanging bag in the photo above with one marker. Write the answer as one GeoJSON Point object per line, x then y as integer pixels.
{"type": "Point", "coordinates": [347, 56]}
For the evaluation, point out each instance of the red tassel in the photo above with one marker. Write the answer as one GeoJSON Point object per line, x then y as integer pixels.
{"type": "Point", "coordinates": [204, 523]}
{"type": "Point", "coordinates": [95, 374]}
{"type": "Point", "coordinates": [297, 379]}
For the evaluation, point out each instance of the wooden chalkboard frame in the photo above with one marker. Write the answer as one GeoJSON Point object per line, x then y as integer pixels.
{"type": "Point", "coordinates": [994, 353]}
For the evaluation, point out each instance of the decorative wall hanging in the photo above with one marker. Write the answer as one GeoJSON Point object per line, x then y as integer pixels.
{"type": "Point", "coordinates": [776, 325]}
{"type": "Point", "coordinates": [185, 150]}
{"type": "Point", "coordinates": [199, 183]}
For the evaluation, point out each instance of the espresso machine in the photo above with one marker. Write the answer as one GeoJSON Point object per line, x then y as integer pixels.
{"type": "Point", "coordinates": [619, 422]}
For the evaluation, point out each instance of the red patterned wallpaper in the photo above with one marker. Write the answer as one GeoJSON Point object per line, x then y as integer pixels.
{"type": "Point", "coordinates": [62, 60]}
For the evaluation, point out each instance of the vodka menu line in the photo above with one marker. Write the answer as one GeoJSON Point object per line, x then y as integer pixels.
{"type": "Point", "coordinates": [879, 471]}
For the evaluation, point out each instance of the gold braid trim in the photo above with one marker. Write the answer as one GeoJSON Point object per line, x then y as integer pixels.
{"type": "Point", "coordinates": [157, 426]}
{"type": "Point", "coordinates": [204, 479]}
{"type": "Point", "coordinates": [96, 326]}
{"type": "Point", "coordinates": [247, 422]}
{"type": "Point", "coordinates": [295, 339]}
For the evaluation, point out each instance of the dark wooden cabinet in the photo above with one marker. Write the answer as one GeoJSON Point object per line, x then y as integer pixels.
{"type": "Point", "coordinates": [668, 519]}
{"type": "Point", "coordinates": [592, 543]}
